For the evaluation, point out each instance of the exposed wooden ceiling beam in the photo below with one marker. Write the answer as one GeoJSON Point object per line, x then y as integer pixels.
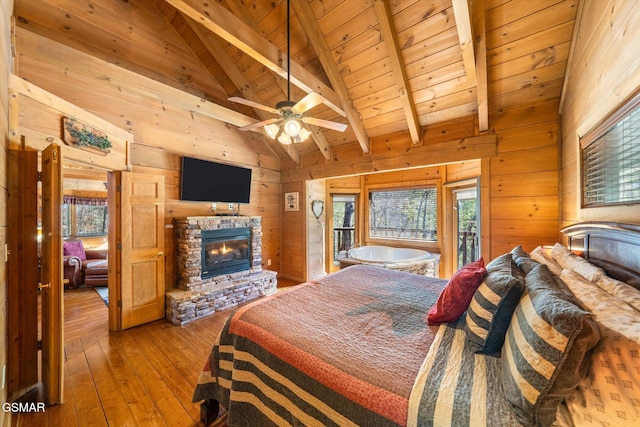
{"type": "Point", "coordinates": [399, 70]}
{"type": "Point", "coordinates": [237, 78]}
{"type": "Point", "coordinates": [223, 23]}
{"type": "Point", "coordinates": [217, 52]}
{"type": "Point", "coordinates": [465, 34]}
{"type": "Point", "coordinates": [247, 91]}
{"type": "Point", "coordinates": [183, 24]}
{"type": "Point", "coordinates": [319, 44]}
{"type": "Point", "coordinates": [481, 64]}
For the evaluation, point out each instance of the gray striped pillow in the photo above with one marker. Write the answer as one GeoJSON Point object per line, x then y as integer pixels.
{"type": "Point", "coordinates": [492, 306]}
{"type": "Point", "coordinates": [546, 350]}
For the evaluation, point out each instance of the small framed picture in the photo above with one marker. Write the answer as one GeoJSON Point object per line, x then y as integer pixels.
{"type": "Point", "coordinates": [291, 201]}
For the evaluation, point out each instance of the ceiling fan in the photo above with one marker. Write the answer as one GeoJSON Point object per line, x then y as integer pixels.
{"type": "Point", "coordinates": [287, 128]}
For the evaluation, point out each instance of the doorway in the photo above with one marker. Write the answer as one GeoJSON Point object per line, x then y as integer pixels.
{"type": "Point", "coordinates": [466, 224]}
{"type": "Point", "coordinates": [344, 218]}
{"type": "Point", "coordinates": [85, 224]}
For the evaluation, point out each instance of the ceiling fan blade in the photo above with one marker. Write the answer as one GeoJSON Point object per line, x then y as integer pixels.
{"type": "Point", "coordinates": [308, 102]}
{"type": "Point", "coordinates": [253, 104]}
{"type": "Point", "coordinates": [340, 127]}
{"type": "Point", "coordinates": [258, 124]}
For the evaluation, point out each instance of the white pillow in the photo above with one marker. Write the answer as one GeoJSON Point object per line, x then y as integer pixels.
{"type": "Point", "coordinates": [622, 290]}
{"type": "Point", "coordinates": [568, 259]}
{"type": "Point", "coordinates": [540, 255]}
{"type": "Point", "coordinates": [610, 394]}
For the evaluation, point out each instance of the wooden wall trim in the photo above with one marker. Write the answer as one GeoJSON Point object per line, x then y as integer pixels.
{"type": "Point", "coordinates": [27, 96]}
{"type": "Point", "coordinates": [38, 94]}
{"type": "Point", "coordinates": [456, 150]}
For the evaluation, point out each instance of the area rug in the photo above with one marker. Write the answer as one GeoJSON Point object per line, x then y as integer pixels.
{"type": "Point", "coordinates": [103, 291]}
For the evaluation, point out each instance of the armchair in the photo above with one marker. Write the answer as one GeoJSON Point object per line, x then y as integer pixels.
{"type": "Point", "coordinates": [72, 271]}
{"type": "Point", "coordinates": [89, 267]}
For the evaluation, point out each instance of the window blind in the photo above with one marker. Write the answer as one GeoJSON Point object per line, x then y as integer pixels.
{"type": "Point", "coordinates": [611, 163]}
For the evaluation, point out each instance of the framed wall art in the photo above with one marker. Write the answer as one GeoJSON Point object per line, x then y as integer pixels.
{"type": "Point", "coordinates": [291, 202]}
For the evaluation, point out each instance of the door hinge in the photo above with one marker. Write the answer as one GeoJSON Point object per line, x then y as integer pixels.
{"type": "Point", "coordinates": [119, 188]}
{"type": "Point", "coordinates": [39, 176]}
{"type": "Point", "coordinates": [119, 303]}
{"type": "Point", "coordinates": [39, 345]}
{"type": "Point", "coordinates": [119, 246]}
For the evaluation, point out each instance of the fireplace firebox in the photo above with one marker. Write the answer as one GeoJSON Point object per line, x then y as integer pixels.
{"type": "Point", "coordinates": [225, 251]}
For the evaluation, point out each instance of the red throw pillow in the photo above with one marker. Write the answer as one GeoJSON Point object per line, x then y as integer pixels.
{"type": "Point", "coordinates": [74, 248]}
{"type": "Point", "coordinates": [457, 295]}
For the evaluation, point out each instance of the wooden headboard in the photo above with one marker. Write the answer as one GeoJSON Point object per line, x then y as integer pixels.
{"type": "Point", "coordinates": [615, 247]}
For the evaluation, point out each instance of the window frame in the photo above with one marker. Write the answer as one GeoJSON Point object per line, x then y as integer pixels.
{"type": "Point", "coordinates": [630, 105]}
{"type": "Point", "coordinates": [413, 243]}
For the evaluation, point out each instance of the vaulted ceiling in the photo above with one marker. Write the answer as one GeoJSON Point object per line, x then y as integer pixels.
{"type": "Point", "coordinates": [384, 67]}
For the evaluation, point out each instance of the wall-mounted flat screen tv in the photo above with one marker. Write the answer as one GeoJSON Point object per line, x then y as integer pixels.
{"type": "Point", "coordinates": [204, 181]}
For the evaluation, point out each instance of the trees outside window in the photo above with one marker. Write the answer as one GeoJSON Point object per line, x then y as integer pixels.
{"type": "Point", "coordinates": [344, 223]}
{"type": "Point", "coordinates": [83, 220]}
{"type": "Point", "coordinates": [405, 214]}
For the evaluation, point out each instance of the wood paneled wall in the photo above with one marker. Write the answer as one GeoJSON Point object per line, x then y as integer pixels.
{"type": "Point", "coordinates": [6, 67]}
{"type": "Point", "coordinates": [294, 235]}
{"type": "Point", "coordinates": [523, 180]}
{"type": "Point", "coordinates": [602, 73]}
{"type": "Point", "coordinates": [520, 176]}
{"type": "Point", "coordinates": [164, 128]}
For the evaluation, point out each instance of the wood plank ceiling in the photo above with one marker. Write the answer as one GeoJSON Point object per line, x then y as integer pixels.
{"type": "Point", "coordinates": [385, 67]}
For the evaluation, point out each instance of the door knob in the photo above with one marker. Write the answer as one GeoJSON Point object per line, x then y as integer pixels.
{"type": "Point", "coordinates": [160, 253]}
{"type": "Point", "coordinates": [43, 286]}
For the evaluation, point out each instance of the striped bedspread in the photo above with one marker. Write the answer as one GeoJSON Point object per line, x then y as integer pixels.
{"type": "Point", "coordinates": [456, 387]}
{"type": "Point", "coordinates": [344, 350]}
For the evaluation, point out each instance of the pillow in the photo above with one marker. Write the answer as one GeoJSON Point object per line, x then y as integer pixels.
{"type": "Point", "coordinates": [74, 248]}
{"type": "Point", "coordinates": [522, 259]}
{"type": "Point", "coordinates": [501, 263]}
{"type": "Point", "coordinates": [568, 259]}
{"type": "Point", "coordinates": [456, 296]}
{"type": "Point", "coordinates": [492, 306]}
{"type": "Point", "coordinates": [622, 290]}
{"type": "Point", "coordinates": [518, 252]}
{"type": "Point", "coordinates": [609, 395]}
{"type": "Point", "coordinates": [591, 295]}
{"type": "Point", "coordinates": [540, 255]}
{"type": "Point", "coordinates": [546, 349]}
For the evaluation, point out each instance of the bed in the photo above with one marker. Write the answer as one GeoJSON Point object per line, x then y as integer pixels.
{"type": "Point", "coordinates": [369, 346]}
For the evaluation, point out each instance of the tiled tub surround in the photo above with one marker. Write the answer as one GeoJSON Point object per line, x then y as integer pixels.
{"type": "Point", "coordinates": [196, 297]}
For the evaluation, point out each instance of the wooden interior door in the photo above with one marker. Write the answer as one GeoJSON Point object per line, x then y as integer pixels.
{"type": "Point", "coordinates": [22, 272]}
{"type": "Point", "coordinates": [51, 276]}
{"type": "Point", "coordinates": [140, 243]}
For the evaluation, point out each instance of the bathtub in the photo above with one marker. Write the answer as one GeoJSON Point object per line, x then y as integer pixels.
{"type": "Point", "coordinates": [415, 261]}
{"type": "Point", "coordinates": [385, 254]}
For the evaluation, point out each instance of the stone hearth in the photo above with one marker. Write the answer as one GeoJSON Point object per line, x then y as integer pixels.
{"type": "Point", "coordinates": [196, 297]}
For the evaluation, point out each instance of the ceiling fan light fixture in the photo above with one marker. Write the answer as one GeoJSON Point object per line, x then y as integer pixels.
{"type": "Point", "coordinates": [272, 130]}
{"type": "Point", "coordinates": [304, 134]}
{"type": "Point", "coordinates": [291, 127]}
{"type": "Point", "coordinates": [284, 139]}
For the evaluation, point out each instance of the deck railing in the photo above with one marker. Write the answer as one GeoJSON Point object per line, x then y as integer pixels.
{"type": "Point", "coordinates": [343, 239]}
{"type": "Point", "coordinates": [467, 247]}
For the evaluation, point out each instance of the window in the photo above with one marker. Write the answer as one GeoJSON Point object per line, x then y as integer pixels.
{"type": "Point", "coordinates": [84, 217]}
{"type": "Point", "coordinates": [405, 214]}
{"type": "Point", "coordinates": [344, 223]}
{"type": "Point", "coordinates": [611, 159]}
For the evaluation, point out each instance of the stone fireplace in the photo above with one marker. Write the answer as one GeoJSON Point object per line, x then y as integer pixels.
{"type": "Point", "coordinates": [225, 251]}
{"type": "Point", "coordinates": [219, 265]}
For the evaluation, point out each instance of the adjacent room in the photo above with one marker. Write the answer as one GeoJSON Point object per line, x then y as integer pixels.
{"type": "Point", "coordinates": [315, 212]}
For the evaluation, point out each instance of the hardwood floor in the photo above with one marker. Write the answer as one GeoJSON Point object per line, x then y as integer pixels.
{"type": "Point", "coordinates": [142, 376]}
